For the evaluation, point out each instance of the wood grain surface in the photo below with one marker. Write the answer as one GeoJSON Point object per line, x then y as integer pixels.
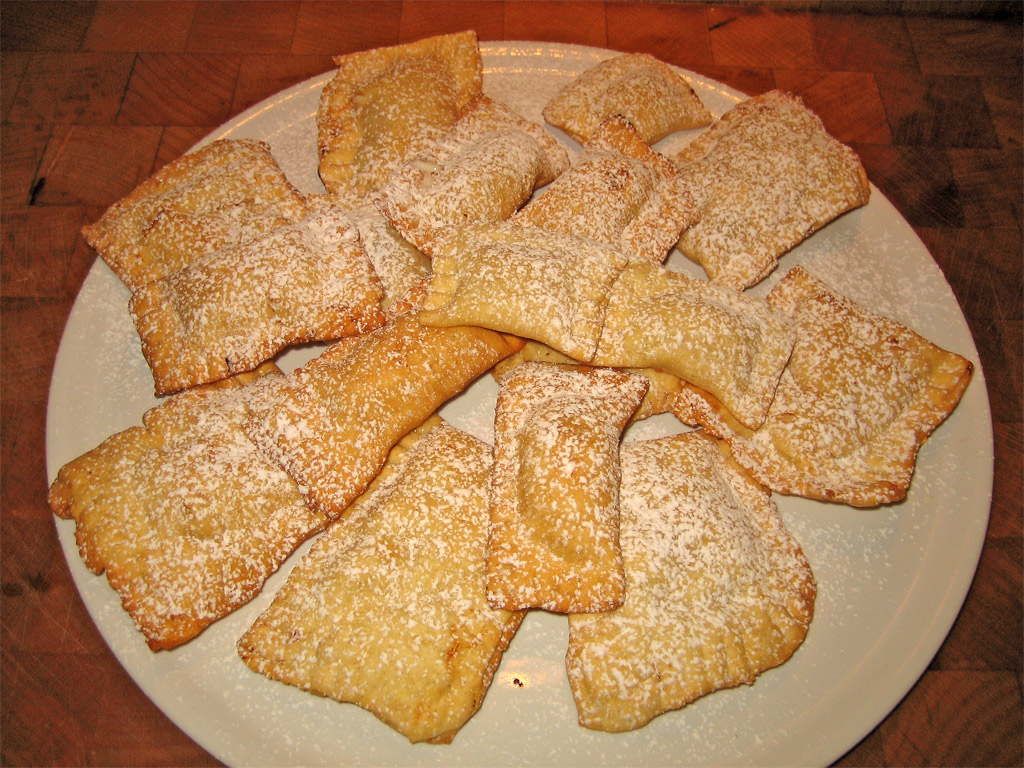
{"type": "Point", "coordinates": [97, 95]}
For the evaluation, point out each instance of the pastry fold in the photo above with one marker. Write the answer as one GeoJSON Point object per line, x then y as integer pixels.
{"type": "Point", "coordinates": [387, 609]}
{"type": "Point", "coordinates": [184, 514]}
{"type": "Point", "coordinates": [857, 399]}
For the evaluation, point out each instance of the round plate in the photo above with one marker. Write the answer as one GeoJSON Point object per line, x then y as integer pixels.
{"type": "Point", "coordinates": [890, 580]}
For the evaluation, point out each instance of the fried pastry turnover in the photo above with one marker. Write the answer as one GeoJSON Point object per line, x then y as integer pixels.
{"type": "Point", "coordinates": [618, 191]}
{"type": "Point", "coordinates": [385, 103]}
{"type": "Point", "coordinates": [764, 177]}
{"type": "Point", "coordinates": [859, 396]}
{"type": "Point", "coordinates": [387, 609]}
{"type": "Point", "coordinates": [224, 194]}
{"type": "Point", "coordinates": [308, 281]}
{"type": "Point", "coordinates": [554, 497]}
{"type": "Point", "coordinates": [186, 517]}
{"type": "Point", "coordinates": [646, 91]}
{"type": "Point", "coordinates": [717, 590]}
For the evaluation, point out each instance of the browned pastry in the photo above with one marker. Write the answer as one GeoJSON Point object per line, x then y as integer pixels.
{"type": "Point", "coordinates": [225, 193]}
{"type": "Point", "coordinates": [764, 178]}
{"type": "Point", "coordinates": [554, 500]}
{"type": "Point", "coordinates": [618, 191]}
{"type": "Point", "coordinates": [859, 396]}
{"type": "Point", "coordinates": [483, 169]}
{"type": "Point", "coordinates": [709, 335]}
{"type": "Point", "coordinates": [340, 414]}
{"type": "Point", "coordinates": [309, 281]}
{"type": "Point", "coordinates": [646, 91]}
{"type": "Point", "coordinates": [717, 590]}
{"type": "Point", "coordinates": [385, 103]}
{"type": "Point", "coordinates": [184, 514]}
{"type": "Point", "coordinates": [387, 609]}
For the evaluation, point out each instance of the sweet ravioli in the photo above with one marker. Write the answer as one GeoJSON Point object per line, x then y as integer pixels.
{"type": "Point", "coordinates": [184, 514]}
{"type": "Point", "coordinates": [546, 286]}
{"type": "Point", "coordinates": [721, 340]}
{"type": "Point", "coordinates": [387, 609]}
{"type": "Point", "coordinates": [647, 92]}
{"type": "Point", "coordinates": [482, 170]}
{"type": "Point", "coordinates": [859, 396]}
{"type": "Point", "coordinates": [618, 191]}
{"type": "Point", "coordinates": [309, 281]}
{"type": "Point", "coordinates": [223, 194]}
{"type": "Point", "coordinates": [554, 499]}
{"type": "Point", "coordinates": [717, 591]}
{"type": "Point", "coordinates": [764, 177]}
{"type": "Point", "coordinates": [385, 103]}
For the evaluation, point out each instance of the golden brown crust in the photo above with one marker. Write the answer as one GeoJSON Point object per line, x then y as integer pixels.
{"type": "Point", "coordinates": [185, 516]}
{"type": "Point", "coordinates": [310, 281]}
{"type": "Point", "coordinates": [554, 499]}
{"type": "Point", "coordinates": [859, 396]}
{"type": "Point", "coordinates": [384, 103]}
{"type": "Point", "coordinates": [764, 178]}
{"type": "Point", "coordinates": [387, 610]}
{"type": "Point", "coordinates": [717, 591]}
{"type": "Point", "coordinates": [647, 92]}
{"type": "Point", "coordinates": [225, 193]}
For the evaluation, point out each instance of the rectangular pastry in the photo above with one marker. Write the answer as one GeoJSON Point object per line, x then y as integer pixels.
{"type": "Point", "coordinates": [764, 177]}
{"type": "Point", "coordinates": [618, 191]}
{"type": "Point", "coordinates": [225, 193]}
{"type": "Point", "coordinates": [308, 281]}
{"type": "Point", "coordinates": [184, 514]}
{"type": "Point", "coordinates": [387, 609]}
{"type": "Point", "coordinates": [483, 169]}
{"type": "Point", "coordinates": [554, 498]}
{"type": "Point", "coordinates": [717, 590]}
{"type": "Point", "coordinates": [714, 337]}
{"type": "Point", "coordinates": [340, 413]}
{"type": "Point", "coordinates": [649, 93]}
{"type": "Point", "coordinates": [857, 399]}
{"type": "Point", "coordinates": [385, 103]}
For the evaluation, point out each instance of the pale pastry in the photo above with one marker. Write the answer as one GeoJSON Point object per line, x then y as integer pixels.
{"type": "Point", "coordinates": [225, 193]}
{"type": "Point", "coordinates": [717, 590]}
{"type": "Point", "coordinates": [184, 514]}
{"type": "Point", "coordinates": [308, 281]}
{"type": "Point", "coordinates": [646, 91]}
{"type": "Point", "coordinates": [859, 396]}
{"type": "Point", "coordinates": [764, 177]}
{"type": "Point", "coordinates": [554, 497]}
{"type": "Point", "coordinates": [618, 191]}
{"type": "Point", "coordinates": [714, 337]}
{"type": "Point", "coordinates": [384, 103]}
{"type": "Point", "coordinates": [482, 170]}
{"type": "Point", "coordinates": [546, 286]}
{"type": "Point", "coordinates": [387, 609]}
{"type": "Point", "coordinates": [333, 425]}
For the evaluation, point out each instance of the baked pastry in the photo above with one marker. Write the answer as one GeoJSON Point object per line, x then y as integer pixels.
{"type": "Point", "coordinates": [764, 178]}
{"type": "Point", "coordinates": [309, 281]}
{"type": "Point", "coordinates": [387, 609]}
{"type": "Point", "coordinates": [859, 396]}
{"type": "Point", "coordinates": [646, 91]}
{"type": "Point", "coordinates": [384, 103]}
{"type": "Point", "coordinates": [483, 169]}
{"type": "Point", "coordinates": [184, 514]}
{"type": "Point", "coordinates": [714, 337]}
{"type": "Point", "coordinates": [618, 191]}
{"type": "Point", "coordinates": [225, 193]}
{"type": "Point", "coordinates": [333, 425]}
{"type": "Point", "coordinates": [540, 285]}
{"type": "Point", "coordinates": [554, 499]}
{"type": "Point", "coordinates": [717, 590]}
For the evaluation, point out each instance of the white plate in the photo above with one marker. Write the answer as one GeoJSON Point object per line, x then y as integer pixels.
{"type": "Point", "coordinates": [891, 580]}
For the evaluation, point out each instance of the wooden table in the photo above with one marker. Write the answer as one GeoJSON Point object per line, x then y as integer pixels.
{"type": "Point", "coordinates": [98, 95]}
